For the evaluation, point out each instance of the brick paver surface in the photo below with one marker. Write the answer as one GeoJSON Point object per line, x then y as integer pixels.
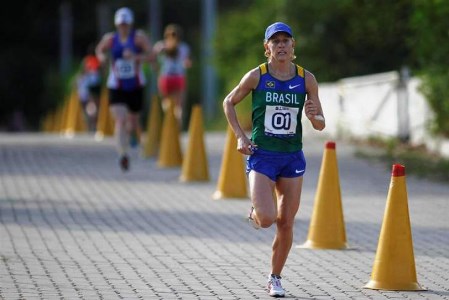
{"type": "Point", "coordinates": [73, 226]}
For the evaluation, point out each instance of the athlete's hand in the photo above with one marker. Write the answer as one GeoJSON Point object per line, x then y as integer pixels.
{"type": "Point", "coordinates": [245, 146]}
{"type": "Point", "coordinates": [314, 114]}
{"type": "Point", "coordinates": [310, 109]}
{"type": "Point", "coordinates": [128, 53]}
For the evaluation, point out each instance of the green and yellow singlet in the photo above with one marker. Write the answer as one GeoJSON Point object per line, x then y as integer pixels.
{"type": "Point", "coordinates": [276, 111]}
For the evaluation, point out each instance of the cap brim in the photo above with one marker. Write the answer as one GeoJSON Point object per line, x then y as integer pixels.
{"type": "Point", "coordinates": [279, 31]}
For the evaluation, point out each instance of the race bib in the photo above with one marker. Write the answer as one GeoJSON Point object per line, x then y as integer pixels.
{"type": "Point", "coordinates": [125, 68]}
{"type": "Point", "coordinates": [281, 120]}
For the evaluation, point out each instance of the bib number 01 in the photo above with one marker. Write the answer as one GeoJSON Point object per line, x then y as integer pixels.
{"type": "Point", "coordinates": [281, 120]}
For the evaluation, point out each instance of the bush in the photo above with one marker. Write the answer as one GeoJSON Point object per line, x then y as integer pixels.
{"type": "Point", "coordinates": [436, 91]}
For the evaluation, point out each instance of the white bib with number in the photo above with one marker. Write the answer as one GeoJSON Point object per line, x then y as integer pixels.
{"type": "Point", "coordinates": [280, 120]}
{"type": "Point", "coordinates": [125, 68]}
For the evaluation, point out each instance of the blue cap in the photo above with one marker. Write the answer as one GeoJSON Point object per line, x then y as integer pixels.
{"type": "Point", "coordinates": [277, 27]}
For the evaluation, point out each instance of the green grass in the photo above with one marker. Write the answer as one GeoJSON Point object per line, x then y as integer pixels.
{"type": "Point", "coordinates": [417, 160]}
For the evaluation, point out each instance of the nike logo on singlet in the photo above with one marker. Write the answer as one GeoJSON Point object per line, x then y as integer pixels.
{"type": "Point", "coordinates": [293, 86]}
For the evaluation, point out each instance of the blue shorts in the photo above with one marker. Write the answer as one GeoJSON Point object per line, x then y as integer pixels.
{"type": "Point", "coordinates": [277, 164]}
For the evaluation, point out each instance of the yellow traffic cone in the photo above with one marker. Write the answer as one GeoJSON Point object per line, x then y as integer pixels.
{"type": "Point", "coordinates": [105, 122]}
{"type": "Point", "coordinates": [194, 165]}
{"type": "Point", "coordinates": [64, 114]}
{"type": "Point", "coordinates": [153, 130]}
{"type": "Point", "coordinates": [232, 182]}
{"type": "Point", "coordinates": [170, 154]}
{"type": "Point", "coordinates": [72, 114]}
{"type": "Point", "coordinates": [327, 228]}
{"type": "Point", "coordinates": [57, 126]}
{"type": "Point", "coordinates": [394, 265]}
{"type": "Point", "coordinates": [80, 121]}
{"type": "Point", "coordinates": [48, 121]}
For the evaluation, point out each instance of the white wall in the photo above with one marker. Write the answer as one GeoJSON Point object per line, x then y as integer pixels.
{"type": "Point", "coordinates": [367, 106]}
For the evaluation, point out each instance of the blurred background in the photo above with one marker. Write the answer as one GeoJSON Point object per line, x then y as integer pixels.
{"type": "Point", "coordinates": [43, 43]}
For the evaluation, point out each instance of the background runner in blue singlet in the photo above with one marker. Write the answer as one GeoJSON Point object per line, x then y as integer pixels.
{"type": "Point", "coordinates": [127, 50]}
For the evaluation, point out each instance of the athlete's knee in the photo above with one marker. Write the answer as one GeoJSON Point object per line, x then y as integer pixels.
{"type": "Point", "coordinates": [265, 219]}
{"type": "Point", "coordinates": [285, 225]}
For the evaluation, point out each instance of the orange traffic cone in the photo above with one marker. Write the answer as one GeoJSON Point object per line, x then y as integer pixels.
{"type": "Point", "coordinates": [194, 165]}
{"type": "Point", "coordinates": [170, 154]}
{"type": "Point", "coordinates": [232, 182]}
{"type": "Point", "coordinates": [153, 130]}
{"type": "Point", "coordinates": [394, 265]}
{"type": "Point", "coordinates": [327, 228]}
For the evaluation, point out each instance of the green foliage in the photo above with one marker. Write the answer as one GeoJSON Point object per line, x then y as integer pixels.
{"type": "Point", "coordinates": [436, 90]}
{"type": "Point", "coordinates": [430, 37]}
{"type": "Point", "coordinates": [430, 43]}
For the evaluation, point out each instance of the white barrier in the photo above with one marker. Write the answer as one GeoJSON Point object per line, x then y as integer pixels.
{"type": "Point", "coordinates": [376, 106]}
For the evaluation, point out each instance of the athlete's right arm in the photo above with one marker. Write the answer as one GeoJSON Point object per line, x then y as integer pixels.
{"type": "Point", "coordinates": [245, 86]}
{"type": "Point", "coordinates": [103, 46]}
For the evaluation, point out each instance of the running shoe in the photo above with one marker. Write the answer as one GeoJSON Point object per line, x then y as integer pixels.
{"type": "Point", "coordinates": [251, 220]}
{"type": "Point", "coordinates": [274, 286]}
{"type": "Point", "coordinates": [124, 163]}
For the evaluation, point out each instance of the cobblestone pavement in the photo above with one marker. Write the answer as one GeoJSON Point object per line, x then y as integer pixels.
{"type": "Point", "coordinates": [73, 226]}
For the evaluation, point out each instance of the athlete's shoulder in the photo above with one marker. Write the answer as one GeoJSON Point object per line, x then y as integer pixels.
{"type": "Point", "coordinates": [251, 78]}
{"type": "Point", "coordinates": [109, 36]}
{"type": "Point", "coordinates": [106, 41]}
{"type": "Point", "coordinates": [256, 72]}
{"type": "Point", "coordinates": [309, 76]}
{"type": "Point", "coordinates": [140, 33]}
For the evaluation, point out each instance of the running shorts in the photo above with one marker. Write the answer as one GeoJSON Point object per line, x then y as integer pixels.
{"type": "Point", "coordinates": [132, 99]}
{"type": "Point", "coordinates": [277, 164]}
{"type": "Point", "coordinates": [171, 84]}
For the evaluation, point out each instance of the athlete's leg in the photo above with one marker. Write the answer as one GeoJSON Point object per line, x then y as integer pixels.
{"type": "Point", "coordinates": [288, 192]}
{"type": "Point", "coordinates": [134, 124]}
{"type": "Point", "coordinates": [261, 189]}
{"type": "Point", "coordinates": [119, 112]}
{"type": "Point", "coordinates": [177, 101]}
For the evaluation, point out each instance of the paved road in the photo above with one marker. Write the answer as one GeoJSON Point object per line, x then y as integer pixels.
{"type": "Point", "coordinates": [73, 226]}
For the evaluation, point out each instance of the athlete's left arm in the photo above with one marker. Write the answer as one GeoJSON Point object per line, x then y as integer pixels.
{"type": "Point", "coordinates": [312, 106]}
{"type": "Point", "coordinates": [142, 41]}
